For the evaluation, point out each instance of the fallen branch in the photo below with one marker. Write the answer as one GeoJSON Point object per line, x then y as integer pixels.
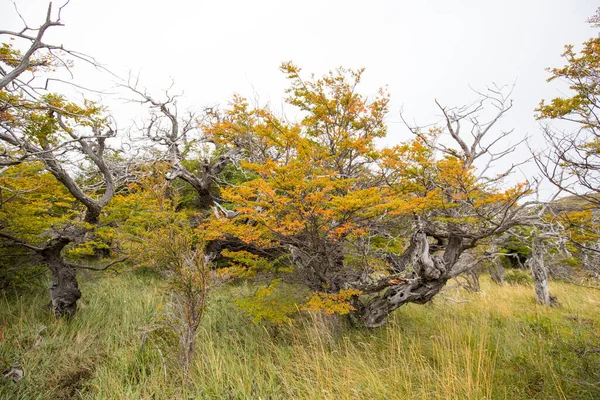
{"type": "Point", "coordinates": [450, 299]}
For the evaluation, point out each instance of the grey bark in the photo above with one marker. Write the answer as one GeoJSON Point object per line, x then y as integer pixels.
{"type": "Point", "coordinates": [204, 179]}
{"type": "Point", "coordinates": [427, 275]}
{"type": "Point", "coordinates": [539, 273]}
{"type": "Point", "coordinates": [36, 44]}
{"type": "Point", "coordinates": [64, 290]}
{"type": "Point", "coordinates": [174, 137]}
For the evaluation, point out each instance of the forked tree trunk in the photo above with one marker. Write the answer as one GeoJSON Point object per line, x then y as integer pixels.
{"type": "Point", "coordinates": [64, 290]}
{"type": "Point", "coordinates": [539, 273]}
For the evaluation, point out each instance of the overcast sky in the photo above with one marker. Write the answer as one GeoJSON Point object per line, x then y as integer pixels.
{"type": "Point", "coordinates": [423, 50]}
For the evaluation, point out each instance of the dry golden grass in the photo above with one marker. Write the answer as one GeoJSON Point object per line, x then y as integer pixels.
{"type": "Point", "coordinates": [498, 345]}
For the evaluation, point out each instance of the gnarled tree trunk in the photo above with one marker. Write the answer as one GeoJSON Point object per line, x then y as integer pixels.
{"type": "Point", "coordinates": [426, 277]}
{"type": "Point", "coordinates": [374, 314]}
{"type": "Point", "coordinates": [64, 290]}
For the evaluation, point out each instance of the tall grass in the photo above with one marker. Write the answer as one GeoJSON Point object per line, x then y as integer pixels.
{"type": "Point", "coordinates": [498, 345]}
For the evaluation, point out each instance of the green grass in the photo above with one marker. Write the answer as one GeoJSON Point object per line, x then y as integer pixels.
{"type": "Point", "coordinates": [499, 345]}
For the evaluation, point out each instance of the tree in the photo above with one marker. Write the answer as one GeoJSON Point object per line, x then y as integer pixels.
{"type": "Point", "coordinates": [572, 159]}
{"type": "Point", "coordinates": [45, 127]}
{"type": "Point", "coordinates": [454, 199]}
{"type": "Point", "coordinates": [373, 229]}
{"type": "Point", "coordinates": [203, 151]}
{"type": "Point", "coordinates": [184, 141]}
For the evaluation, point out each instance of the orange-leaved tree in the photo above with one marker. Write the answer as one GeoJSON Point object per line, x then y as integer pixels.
{"type": "Point", "coordinates": [367, 229]}
{"type": "Point", "coordinates": [572, 159]}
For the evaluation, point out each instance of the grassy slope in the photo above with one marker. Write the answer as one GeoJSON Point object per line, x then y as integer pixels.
{"type": "Point", "coordinates": [500, 345]}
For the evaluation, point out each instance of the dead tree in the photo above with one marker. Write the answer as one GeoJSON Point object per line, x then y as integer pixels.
{"type": "Point", "coordinates": [180, 139]}
{"type": "Point", "coordinates": [539, 272]}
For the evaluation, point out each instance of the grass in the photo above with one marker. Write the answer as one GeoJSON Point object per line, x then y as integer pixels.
{"type": "Point", "coordinates": [498, 345]}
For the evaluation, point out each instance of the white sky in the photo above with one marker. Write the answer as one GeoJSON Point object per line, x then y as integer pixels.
{"type": "Point", "coordinates": [421, 49]}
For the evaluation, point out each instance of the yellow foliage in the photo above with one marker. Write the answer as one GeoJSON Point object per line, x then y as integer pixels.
{"type": "Point", "coordinates": [332, 303]}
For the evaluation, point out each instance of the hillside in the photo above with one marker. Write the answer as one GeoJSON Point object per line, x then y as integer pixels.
{"type": "Point", "coordinates": [572, 203]}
